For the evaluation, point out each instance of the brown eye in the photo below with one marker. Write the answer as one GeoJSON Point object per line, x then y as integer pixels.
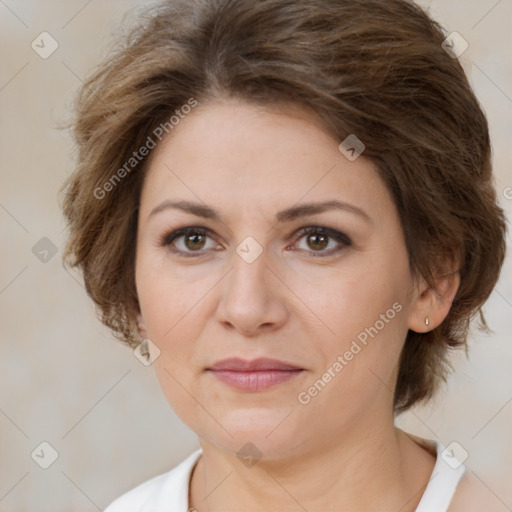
{"type": "Point", "coordinates": [188, 241]}
{"type": "Point", "coordinates": [194, 241]}
{"type": "Point", "coordinates": [318, 240]}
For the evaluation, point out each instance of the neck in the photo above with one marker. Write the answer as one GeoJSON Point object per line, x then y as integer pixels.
{"type": "Point", "coordinates": [365, 469]}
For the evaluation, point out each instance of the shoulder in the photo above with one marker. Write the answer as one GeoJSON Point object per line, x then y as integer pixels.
{"type": "Point", "coordinates": [170, 488]}
{"type": "Point", "coordinates": [472, 495]}
{"type": "Point", "coordinates": [455, 487]}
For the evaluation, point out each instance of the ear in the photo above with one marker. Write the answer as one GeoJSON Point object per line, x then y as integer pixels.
{"type": "Point", "coordinates": [141, 326]}
{"type": "Point", "coordinates": [433, 303]}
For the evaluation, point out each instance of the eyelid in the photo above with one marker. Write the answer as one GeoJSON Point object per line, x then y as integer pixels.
{"type": "Point", "coordinates": [333, 234]}
{"type": "Point", "coordinates": [169, 237]}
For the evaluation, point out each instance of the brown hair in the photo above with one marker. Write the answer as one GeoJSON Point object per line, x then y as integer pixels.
{"type": "Point", "coordinates": [373, 68]}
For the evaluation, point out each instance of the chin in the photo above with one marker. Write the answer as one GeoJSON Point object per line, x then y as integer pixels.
{"type": "Point", "coordinates": [258, 432]}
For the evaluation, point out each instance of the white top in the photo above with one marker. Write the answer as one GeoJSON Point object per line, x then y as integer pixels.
{"type": "Point", "coordinates": [168, 492]}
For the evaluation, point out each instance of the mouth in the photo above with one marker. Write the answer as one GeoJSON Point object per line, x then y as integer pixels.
{"type": "Point", "coordinates": [256, 375]}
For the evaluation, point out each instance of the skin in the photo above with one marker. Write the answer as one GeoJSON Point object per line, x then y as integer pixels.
{"type": "Point", "coordinates": [340, 451]}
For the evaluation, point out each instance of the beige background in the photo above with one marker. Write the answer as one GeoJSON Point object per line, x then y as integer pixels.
{"type": "Point", "coordinates": [65, 380]}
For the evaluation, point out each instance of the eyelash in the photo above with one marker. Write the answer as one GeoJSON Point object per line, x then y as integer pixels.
{"type": "Point", "coordinates": [168, 239]}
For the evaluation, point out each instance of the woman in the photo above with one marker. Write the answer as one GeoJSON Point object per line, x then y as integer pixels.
{"type": "Point", "coordinates": [287, 208]}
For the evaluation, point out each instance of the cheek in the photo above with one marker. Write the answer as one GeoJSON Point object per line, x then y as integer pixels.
{"type": "Point", "coordinates": [348, 300]}
{"type": "Point", "coordinates": [167, 301]}
{"type": "Point", "coordinates": [363, 316]}
{"type": "Point", "coordinates": [177, 390]}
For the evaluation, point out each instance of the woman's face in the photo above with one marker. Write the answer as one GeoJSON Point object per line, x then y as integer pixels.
{"type": "Point", "coordinates": [331, 307]}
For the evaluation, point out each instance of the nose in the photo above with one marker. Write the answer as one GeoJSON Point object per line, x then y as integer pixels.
{"type": "Point", "coordinates": [253, 298]}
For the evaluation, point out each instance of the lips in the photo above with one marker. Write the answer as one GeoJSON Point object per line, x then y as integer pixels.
{"type": "Point", "coordinates": [262, 364]}
{"type": "Point", "coordinates": [256, 375]}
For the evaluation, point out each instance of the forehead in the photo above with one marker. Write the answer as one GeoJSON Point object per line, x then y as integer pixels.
{"type": "Point", "coordinates": [240, 154]}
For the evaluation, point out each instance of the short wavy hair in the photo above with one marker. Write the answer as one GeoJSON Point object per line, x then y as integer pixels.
{"type": "Point", "coordinates": [375, 68]}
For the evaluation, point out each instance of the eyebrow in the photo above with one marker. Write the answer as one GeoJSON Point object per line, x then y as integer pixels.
{"type": "Point", "coordinates": [303, 210]}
